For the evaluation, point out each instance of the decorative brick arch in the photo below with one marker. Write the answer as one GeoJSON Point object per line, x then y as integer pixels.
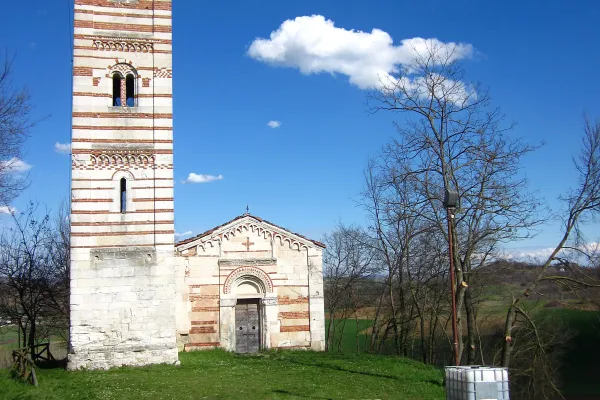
{"type": "Point", "coordinates": [240, 273]}
{"type": "Point", "coordinates": [122, 173]}
{"type": "Point", "coordinates": [246, 227]}
{"type": "Point", "coordinates": [124, 66]}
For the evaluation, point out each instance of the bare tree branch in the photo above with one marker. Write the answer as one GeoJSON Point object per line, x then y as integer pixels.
{"type": "Point", "coordinates": [15, 123]}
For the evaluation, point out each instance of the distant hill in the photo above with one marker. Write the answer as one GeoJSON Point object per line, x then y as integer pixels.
{"type": "Point", "coordinates": [520, 274]}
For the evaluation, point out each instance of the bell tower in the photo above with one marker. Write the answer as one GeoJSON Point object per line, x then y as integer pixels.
{"type": "Point", "coordinates": [122, 233]}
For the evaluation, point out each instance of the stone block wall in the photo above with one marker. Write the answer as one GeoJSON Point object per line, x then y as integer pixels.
{"type": "Point", "coordinates": [122, 309]}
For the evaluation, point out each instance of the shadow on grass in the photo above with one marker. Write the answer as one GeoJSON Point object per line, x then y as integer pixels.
{"type": "Point", "coordinates": [351, 371]}
{"type": "Point", "coordinates": [287, 392]}
{"type": "Point", "coordinates": [52, 364]}
{"type": "Point", "coordinates": [439, 383]}
{"type": "Point", "coordinates": [333, 367]}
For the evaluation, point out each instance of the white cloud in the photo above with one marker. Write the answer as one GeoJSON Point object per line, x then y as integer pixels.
{"type": "Point", "coordinates": [63, 148]}
{"type": "Point", "coordinates": [532, 254]}
{"type": "Point", "coordinates": [188, 233]}
{"type": "Point", "coordinates": [202, 178]}
{"type": "Point", "coordinates": [314, 45]}
{"type": "Point", "coordinates": [15, 165]}
{"type": "Point", "coordinates": [274, 124]}
{"type": "Point", "coordinates": [7, 210]}
{"type": "Point", "coordinates": [541, 254]}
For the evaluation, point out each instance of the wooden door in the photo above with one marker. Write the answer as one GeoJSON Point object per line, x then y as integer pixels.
{"type": "Point", "coordinates": [247, 332]}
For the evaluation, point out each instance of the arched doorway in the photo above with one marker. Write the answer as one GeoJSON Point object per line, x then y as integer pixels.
{"type": "Point", "coordinates": [249, 290]}
{"type": "Point", "coordinates": [247, 300]}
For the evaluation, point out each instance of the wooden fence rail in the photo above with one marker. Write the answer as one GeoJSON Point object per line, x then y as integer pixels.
{"type": "Point", "coordinates": [23, 367]}
{"type": "Point", "coordinates": [40, 349]}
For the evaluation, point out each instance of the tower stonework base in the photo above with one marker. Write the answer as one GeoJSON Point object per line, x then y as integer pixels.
{"type": "Point", "coordinates": [122, 235]}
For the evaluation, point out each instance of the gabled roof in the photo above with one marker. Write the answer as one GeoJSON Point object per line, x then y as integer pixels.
{"type": "Point", "coordinates": [208, 234]}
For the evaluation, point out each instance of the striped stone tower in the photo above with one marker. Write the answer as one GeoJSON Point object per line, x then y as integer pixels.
{"type": "Point", "coordinates": [122, 279]}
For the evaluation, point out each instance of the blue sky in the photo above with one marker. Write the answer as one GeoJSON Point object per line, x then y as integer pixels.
{"type": "Point", "coordinates": [541, 64]}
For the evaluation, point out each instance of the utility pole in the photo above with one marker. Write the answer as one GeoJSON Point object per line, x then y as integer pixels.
{"type": "Point", "coordinates": [451, 202]}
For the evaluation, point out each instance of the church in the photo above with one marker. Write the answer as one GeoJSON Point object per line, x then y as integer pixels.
{"type": "Point", "coordinates": [249, 285]}
{"type": "Point", "coordinates": [136, 296]}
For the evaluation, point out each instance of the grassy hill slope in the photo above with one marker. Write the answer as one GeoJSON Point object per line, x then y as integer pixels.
{"type": "Point", "coordinates": [221, 375]}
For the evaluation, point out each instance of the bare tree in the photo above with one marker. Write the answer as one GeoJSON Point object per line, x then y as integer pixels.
{"type": "Point", "coordinates": [411, 303]}
{"type": "Point", "coordinates": [538, 357]}
{"type": "Point", "coordinates": [582, 204]}
{"type": "Point", "coordinates": [60, 251]}
{"type": "Point", "coordinates": [15, 123]}
{"type": "Point", "coordinates": [33, 285]}
{"type": "Point", "coordinates": [452, 138]}
{"type": "Point", "coordinates": [348, 261]}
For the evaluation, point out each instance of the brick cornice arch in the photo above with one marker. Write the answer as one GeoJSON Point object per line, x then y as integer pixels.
{"type": "Point", "coordinates": [241, 272]}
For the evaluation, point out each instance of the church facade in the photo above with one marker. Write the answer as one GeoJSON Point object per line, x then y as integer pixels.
{"type": "Point", "coordinates": [248, 285]}
{"type": "Point", "coordinates": [137, 298]}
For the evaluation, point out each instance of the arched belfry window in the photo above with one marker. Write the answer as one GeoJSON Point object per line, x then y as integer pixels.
{"type": "Point", "coordinates": [130, 90]}
{"type": "Point", "coordinates": [124, 85]}
{"type": "Point", "coordinates": [116, 90]}
{"type": "Point", "coordinates": [123, 195]}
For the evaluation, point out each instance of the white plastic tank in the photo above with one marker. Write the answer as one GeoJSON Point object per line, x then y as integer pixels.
{"type": "Point", "coordinates": [476, 383]}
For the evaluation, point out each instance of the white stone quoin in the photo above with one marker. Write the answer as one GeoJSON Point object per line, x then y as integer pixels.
{"type": "Point", "coordinates": [122, 235]}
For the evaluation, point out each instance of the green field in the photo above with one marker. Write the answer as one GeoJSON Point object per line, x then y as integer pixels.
{"type": "Point", "coordinates": [580, 365]}
{"type": "Point", "coordinates": [348, 337]}
{"type": "Point", "coordinates": [217, 374]}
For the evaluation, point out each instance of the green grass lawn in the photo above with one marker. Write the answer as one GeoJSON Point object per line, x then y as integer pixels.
{"type": "Point", "coordinates": [216, 374]}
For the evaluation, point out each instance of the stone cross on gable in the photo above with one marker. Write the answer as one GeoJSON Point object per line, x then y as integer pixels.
{"type": "Point", "coordinates": [247, 244]}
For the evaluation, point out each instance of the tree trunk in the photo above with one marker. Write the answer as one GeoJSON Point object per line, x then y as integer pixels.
{"type": "Point", "coordinates": [375, 328]}
{"type": "Point", "coordinates": [460, 293]}
{"type": "Point", "coordinates": [22, 334]}
{"type": "Point", "coordinates": [511, 317]}
{"type": "Point", "coordinates": [341, 338]}
{"type": "Point", "coordinates": [471, 328]}
{"type": "Point", "coordinates": [357, 333]}
{"type": "Point", "coordinates": [394, 320]}
{"type": "Point", "coordinates": [329, 341]}
{"type": "Point", "coordinates": [31, 339]}
{"type": "Point", "coordinates": [423, 345]}
{"type": "Point", "coordinates": [421, 326]}
{"type": "Point", "coordinates": [432, 339]}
